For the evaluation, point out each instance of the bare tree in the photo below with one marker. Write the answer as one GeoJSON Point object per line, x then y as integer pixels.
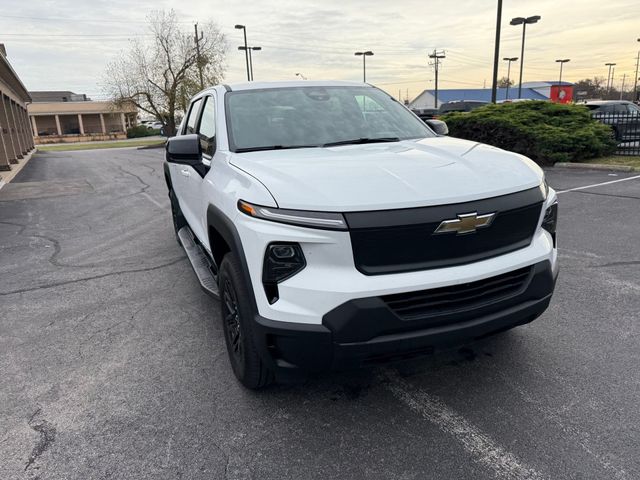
{"type": "Point", "coordinates": [160, 76]}
{"type": "Point", "coordinates": [505, 82]}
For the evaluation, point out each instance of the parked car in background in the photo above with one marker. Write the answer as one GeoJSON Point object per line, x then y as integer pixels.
{"type": "Point", "coordinates": [622, 116]}
{"type": "Point", "coordinates": [461, 106]}
{"type": "Point", "coordinates": [426, 113]}
{"type": "Point", "coordinates": [155, 125]}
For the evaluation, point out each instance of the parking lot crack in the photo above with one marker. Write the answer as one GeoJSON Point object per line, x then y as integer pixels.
{"type": "Point", "coordinates": [95, 277]}
{"type": "Point", "coordinates": [47, 433]}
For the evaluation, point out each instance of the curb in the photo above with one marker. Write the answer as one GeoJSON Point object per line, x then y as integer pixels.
{"type": "Point", "coordinates": [595, 166]}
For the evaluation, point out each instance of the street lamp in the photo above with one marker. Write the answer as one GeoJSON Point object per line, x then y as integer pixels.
{"type": "Point", "coordinates": [509, 59]}
{"type": "Point", "coordinates": [610, 65]}
{"type": "Point", "coordinates": [246, 50]}
{"type": "Point", "coordinates": [364, 56]}
{"type": "Point", "coordinates": [524, 22]}
{"type": "Point", "coordinates": [301, 76]}
{"type": "Point", "coordinates": [249, 49]}
{"type": "Point", "coordinates": [562, 62]}
{"type": "Point", "coordinates": [635, 83]}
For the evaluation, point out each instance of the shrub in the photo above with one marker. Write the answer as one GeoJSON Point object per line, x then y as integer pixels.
{"type": "Point", "coordinates": [543, 131]}
{"type": "Point", "coordinates": [141, 131]}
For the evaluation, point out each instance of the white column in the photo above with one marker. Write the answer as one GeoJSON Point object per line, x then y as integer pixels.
{"type": "Point", "coordinates": [34, 125]}
{"type": "Point", "coordinates": [58, 125]}
{"type": "Point", "coordinates": [80, 124]}
{"type": "Point", "coordinates": [104, 128]}
{"type": "Point", "coordinates": [124, 122]}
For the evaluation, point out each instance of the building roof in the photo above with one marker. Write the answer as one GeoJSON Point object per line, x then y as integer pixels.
{"type": "Point", "coordinates": [10, 77]}
{"type": "Point", "coordinates": [479, 94]}
{"type": "Point", "coordinates": [58, 96]}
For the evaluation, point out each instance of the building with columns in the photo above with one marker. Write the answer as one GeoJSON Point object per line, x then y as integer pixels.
{"type": "Point", "coordinates": [62, 116]}
{"type": "Point", "coordinates": [16, 139]}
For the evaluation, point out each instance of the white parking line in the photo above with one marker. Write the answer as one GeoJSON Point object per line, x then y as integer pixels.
{"type": "Point", "coordinates": [598, 184]}
{"type": "Point", "coordinates": [482, 448]}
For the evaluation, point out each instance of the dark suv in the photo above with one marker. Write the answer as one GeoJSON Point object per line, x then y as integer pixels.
{"type": "Point", "coordinates": [622, 116]}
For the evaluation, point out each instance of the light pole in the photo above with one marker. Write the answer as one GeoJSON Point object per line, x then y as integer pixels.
{"type": "Point", "coordinates": [246, 49]}
{"type": "Point", "coordinates": [301, 76]}
{"type": "Point", "coordinates": [562, 62]}
{"type": "Point", "coordinates": [496, 56]}
{"type": "Point", "coordinates": [635, 83]}
{"type": "Point", "coordinates": [249, 49]}
{"type": "Point", "coordinates": [524, 22]}
{"type": "Point", "coordinates": [364, 56]}
{"type": "Point", "coordinates": [509, 59]}
{"type": "Point", "coordinates": [610, 65]}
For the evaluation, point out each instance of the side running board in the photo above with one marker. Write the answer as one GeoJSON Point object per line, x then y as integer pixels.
{"type": "Point", "coordinates": [201, 263]}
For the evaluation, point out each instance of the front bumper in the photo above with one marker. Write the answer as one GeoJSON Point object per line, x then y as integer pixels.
{"type": "Point", "coordinates": [366, 331]}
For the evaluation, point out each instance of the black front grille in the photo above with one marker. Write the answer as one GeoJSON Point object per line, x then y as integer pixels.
{"type": "Point", "coordinates": [397, 241]}
{"type": "Point", "coordinates": [457, 298]}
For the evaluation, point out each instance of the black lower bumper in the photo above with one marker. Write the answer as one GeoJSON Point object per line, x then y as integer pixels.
{"type": "Point", "coordinates": [366, 331]}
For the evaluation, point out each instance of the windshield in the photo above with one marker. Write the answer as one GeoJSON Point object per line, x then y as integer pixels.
{"type": "Point", "coordinates": [298, 117]}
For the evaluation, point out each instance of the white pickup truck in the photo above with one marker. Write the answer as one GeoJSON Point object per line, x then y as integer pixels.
{"type": "Point", "coordinates": [339, 230]}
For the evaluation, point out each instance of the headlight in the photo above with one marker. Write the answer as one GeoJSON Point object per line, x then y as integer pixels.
{"type": "Point", "coordinates": [550, 221]}
{"type": "Point", "coordinates": [302, 218]}
{"type": "Point", "coordinates": [281, 261]}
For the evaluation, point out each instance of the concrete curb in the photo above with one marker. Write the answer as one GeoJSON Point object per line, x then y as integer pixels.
{"type": "Point", "coordinates": [9, 175]}
{"type": "Point", "coordinates": [595, 166]}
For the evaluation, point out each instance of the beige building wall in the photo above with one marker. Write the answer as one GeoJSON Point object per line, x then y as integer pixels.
{"type": "Point", "coordinates": [16, 139]}
{"type": "Point", "coordinates": [80, 121]}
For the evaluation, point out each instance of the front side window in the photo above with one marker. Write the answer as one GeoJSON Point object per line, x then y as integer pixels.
{"type": "Point", "coordinates": [207, 128]}
{"type": "Point", "coordinates": [298, 117]}
{"type": "Point", "coordinates": [190, 126]}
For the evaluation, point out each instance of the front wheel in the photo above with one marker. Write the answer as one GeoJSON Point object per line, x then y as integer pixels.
{"type": "Point", "coordinates": [236, 323]}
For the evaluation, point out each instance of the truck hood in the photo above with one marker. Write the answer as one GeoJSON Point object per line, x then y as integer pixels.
{"type": "Point", "coordinates": [379, 176]}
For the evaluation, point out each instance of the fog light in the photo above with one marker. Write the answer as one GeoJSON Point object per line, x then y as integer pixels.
{"type": "Point", "coordinates": [281, 261]}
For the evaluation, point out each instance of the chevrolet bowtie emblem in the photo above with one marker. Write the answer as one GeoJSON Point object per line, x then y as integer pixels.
{"type": "Point", "coordinates": [465, 223]}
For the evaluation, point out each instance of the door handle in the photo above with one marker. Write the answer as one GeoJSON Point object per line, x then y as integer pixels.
{"type": "Point", "coordinates": [185, 172]}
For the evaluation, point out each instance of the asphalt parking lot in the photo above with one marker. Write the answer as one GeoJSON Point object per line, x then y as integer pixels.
{"type": "Point", "coordinates": [113, 365]}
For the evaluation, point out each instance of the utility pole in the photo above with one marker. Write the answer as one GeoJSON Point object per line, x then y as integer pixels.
{"type": "Point", "coordinates": [436, 56]}
{"type": "Point", "coordinates": [624, 77]}
{"type": "Point", "coordinates": [198, 59]}
{"type": "Point", "coordinates": [496, 55]}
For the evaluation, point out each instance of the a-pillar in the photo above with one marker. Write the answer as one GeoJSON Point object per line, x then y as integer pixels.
{"type": "Point", "coordinates": [58, 126]}
{"type": "Point", "coordinates": [80, 124]}
{"type": "Point", "coordinates": [7, 129]}
{"type": "Point", "coordinates": [102, 125]}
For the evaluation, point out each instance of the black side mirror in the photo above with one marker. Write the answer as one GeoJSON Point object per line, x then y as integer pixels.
{"type": "Point", "coordinates": [184, 149]}
{"type": "Point", "coordinates": [438, 126]}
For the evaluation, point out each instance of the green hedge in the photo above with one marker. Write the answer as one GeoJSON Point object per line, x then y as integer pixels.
{"type": "Point", "coordinates": [543, 131]}
{"type": "Point", "coordinates": [141, 131]}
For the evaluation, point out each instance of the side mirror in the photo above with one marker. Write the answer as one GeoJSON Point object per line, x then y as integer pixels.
{"type": "Point", "coordinates": [438, 126]}
{"type": "Point", "coordinates": [184, 149]}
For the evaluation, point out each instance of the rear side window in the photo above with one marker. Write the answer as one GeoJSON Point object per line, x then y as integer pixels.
{"type": "Point", "coordinates": [190, 126]}
{"type": "Point", "coordinates": [620, 108]}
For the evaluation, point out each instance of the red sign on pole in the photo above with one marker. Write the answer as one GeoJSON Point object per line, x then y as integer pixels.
{"type": "Point", "coordinates": [561, 93]}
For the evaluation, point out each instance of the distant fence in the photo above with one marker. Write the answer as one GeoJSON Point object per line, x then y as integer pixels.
{"type": "Point", "coordinates": [626, 129]}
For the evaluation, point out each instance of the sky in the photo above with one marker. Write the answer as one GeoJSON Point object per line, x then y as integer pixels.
{"type": "Point", "coordinates": [66, 44]}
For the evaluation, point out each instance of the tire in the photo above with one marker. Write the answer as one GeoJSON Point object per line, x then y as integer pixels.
{"type": "Point", "coordinates": [176, 214]}
{"type": "Point", "coordinates": [236, 322]}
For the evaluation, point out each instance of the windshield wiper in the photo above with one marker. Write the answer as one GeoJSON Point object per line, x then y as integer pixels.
{"type": "Point", "coordinates": [272, 147]}
{"type": "Point", "coordinates": [358, 141]}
